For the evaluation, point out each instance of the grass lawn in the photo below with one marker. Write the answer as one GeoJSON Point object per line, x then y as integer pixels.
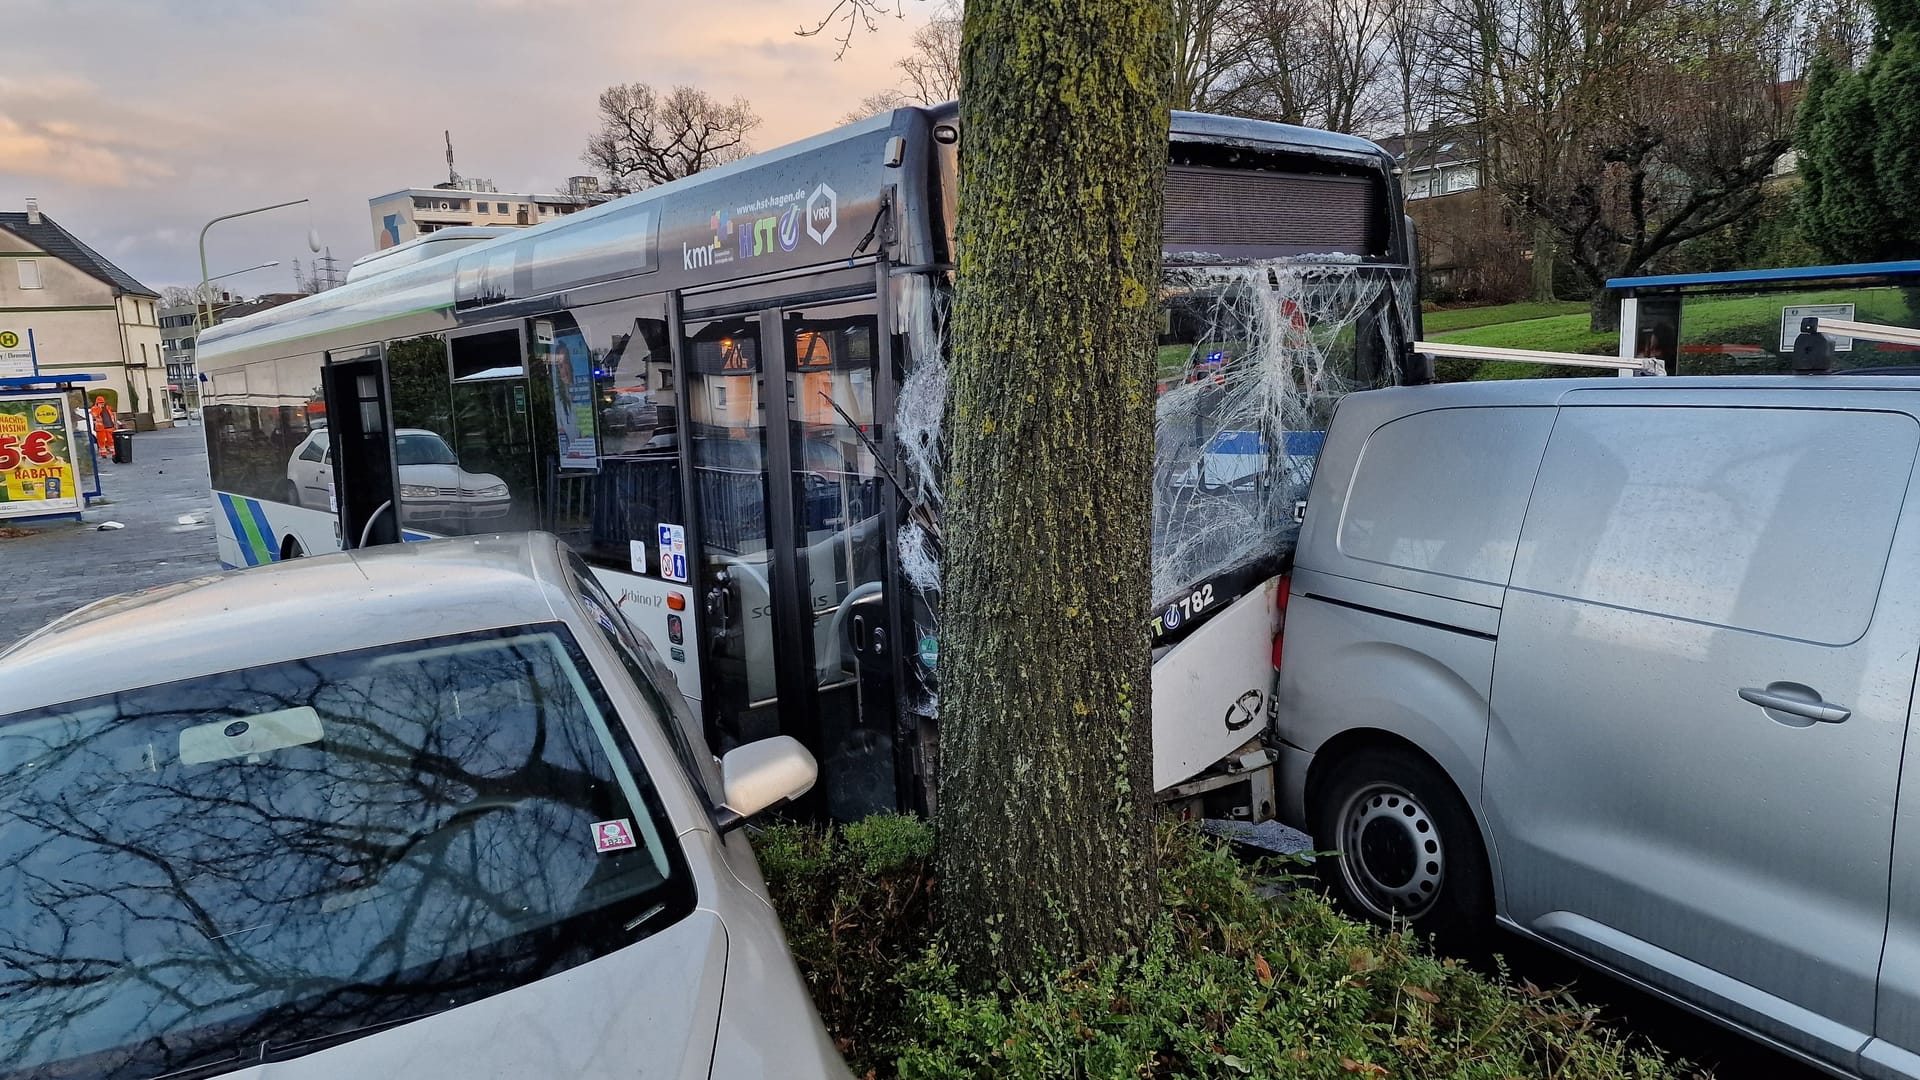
{"type": "Point", "coordinates": [1741, 320]}
{"type": "Point", "coordinates": [1450, 319]}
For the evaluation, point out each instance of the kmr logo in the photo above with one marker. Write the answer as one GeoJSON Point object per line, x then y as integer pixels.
{"type": "Point", "coordinates": [823, 213]}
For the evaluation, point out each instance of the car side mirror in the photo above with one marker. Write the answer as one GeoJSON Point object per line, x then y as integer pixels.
{"type": "Point", "coordinates": [762, 775]}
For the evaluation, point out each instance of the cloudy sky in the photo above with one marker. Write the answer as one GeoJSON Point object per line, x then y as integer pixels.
{"type": "Point", "coordinates": [135, 121]}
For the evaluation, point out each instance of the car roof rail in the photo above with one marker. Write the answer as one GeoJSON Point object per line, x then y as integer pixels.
{"type": "Point", "coordinates": [1638, 365]}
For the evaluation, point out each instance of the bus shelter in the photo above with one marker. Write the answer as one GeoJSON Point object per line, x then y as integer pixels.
{"type": "Point", "coordinates": [1743, 322]}
{"type": "Point", "coordinates": [49, 466]}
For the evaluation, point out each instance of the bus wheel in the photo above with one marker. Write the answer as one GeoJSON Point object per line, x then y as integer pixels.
{"type": "Point", "coordinates": [291, 549]}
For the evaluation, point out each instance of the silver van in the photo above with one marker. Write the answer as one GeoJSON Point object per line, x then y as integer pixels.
{"type": "Point", "coordinates": [1627, 666]}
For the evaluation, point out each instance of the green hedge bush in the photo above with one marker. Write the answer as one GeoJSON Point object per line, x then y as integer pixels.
{"type": "Point", "coordinates": [1241, 977]}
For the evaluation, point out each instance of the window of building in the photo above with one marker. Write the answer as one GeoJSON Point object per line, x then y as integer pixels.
{"type": "Point", "coordinates": [143, 354]}
{"type": "Point", "coordinates": [1463, 178]}
{"type": "Point", "coordinates": [1420, 185]}
{"type": "Point", "coordinates": [29, 273]}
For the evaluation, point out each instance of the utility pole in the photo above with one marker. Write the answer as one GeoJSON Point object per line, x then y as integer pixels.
{"type": "Point", "coordinates": [327, 270]}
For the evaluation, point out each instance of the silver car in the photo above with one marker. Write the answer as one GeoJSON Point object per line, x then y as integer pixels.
{"type": "Point", "coordinates": [1627, 665]}
{"type": "Point", "coordinates": [430, 810]}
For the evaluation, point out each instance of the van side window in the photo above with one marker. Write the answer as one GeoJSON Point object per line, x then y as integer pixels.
{"type": "Point", "coordinates": [1444, 491]}
{"type": "Point", "coordinates": [1776, 521]}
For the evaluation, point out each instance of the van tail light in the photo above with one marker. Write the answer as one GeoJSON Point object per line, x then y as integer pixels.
{"type": "Point", "coordinates": [1280, 616]}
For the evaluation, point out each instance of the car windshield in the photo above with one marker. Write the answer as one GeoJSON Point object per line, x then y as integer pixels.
{"type": "Point", "coordinates": [424, 449]}
{"type": "Point", "coordinates": [247, 866]}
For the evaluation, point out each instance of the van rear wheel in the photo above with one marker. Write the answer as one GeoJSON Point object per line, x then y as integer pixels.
{"type": "Point", "coordinates": [1407, 845]}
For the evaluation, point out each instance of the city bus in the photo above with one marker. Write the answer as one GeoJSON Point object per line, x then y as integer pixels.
{"type": "Point", "coordinates": [725, 393]}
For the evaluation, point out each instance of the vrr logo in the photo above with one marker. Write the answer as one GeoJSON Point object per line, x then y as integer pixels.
{"type": "Point", "coordinates": [823, 214]}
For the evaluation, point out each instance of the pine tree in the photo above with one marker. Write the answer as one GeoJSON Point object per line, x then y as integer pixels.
{"type": "Point", "coordinates": [1860, 146]}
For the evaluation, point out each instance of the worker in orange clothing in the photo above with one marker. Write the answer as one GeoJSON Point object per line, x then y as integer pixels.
{"type": "Point", "coordinates": [103, 424]}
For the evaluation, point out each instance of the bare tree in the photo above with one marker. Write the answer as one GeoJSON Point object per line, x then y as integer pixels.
{"type": "Point", "coordinates": [929, 73]}
{"type": "Point", "coordinates": [1321, 63]}
{"type": "Point", "coordinates": [1621, 129]}
{"type": "Point", "coordinates": [647, 139]}
{"type": "Point", "coordinates": [1214, 50]}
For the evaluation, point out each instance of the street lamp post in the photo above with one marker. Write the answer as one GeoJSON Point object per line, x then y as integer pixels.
{"type": "Point", "coordinates": [204, 282]}
{"type": "Point", "coordinates": [204, 279]}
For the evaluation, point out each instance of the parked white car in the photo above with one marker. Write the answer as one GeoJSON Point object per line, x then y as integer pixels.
{"type": "Point", "coordinates": [427, 810]}
{"type": "Point", "coordinates": [436, 494]}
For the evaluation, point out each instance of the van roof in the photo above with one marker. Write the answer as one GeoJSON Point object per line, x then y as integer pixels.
{"type": "Point", "coordinates": [1550, 391]}
{"type": "Point", "coordinates": [286, 611]}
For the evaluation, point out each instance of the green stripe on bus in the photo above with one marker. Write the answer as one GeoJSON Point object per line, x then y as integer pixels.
{"type": "Point", "coordinates": [254, 540]}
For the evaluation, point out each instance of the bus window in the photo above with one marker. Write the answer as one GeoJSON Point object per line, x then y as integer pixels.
{"type": "Point", "coordinates": [840, 536]}
{"type": "Point", "coordinates": [496, 413]}
{"type": "Point", "coordinates": [257, 418]}
{"type": "Point", "coordinates": [422, 403]}
{"type": "Point", "coordinates": [613, 515]}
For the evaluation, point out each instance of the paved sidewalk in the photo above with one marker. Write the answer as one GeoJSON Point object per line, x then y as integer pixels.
{"type": "Point", "coordinates": [163, 500]}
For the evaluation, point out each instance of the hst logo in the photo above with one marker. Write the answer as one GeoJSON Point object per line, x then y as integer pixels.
{"type": "Point", "coordinates": [696, 258]}
{"type": "Point", "coordinates": [823, 214]}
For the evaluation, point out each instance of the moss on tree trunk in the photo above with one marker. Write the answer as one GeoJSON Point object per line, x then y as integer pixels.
{"type": "Point", "coordinates": [1045, 771]}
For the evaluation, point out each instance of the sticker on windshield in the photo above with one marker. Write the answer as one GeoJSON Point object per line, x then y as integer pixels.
{"type": "Point", "coordinates": [616, 835]}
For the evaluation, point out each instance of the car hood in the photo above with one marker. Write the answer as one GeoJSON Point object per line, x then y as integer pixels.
{"type": "Point", "coordinates": [446, 476]}
{"type": "Point", "coordinates": [649, 1009]}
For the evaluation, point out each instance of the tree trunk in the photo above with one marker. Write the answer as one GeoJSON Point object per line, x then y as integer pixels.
{"type": "Point", "coordinates": [1603, 311]}
{"type": "Point", "coordinates": [1544, 248]}
{"type": "Point", "coordinates": [1045, 774]}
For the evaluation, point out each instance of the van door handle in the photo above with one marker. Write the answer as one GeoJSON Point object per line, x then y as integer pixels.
{"type": "Point", "coordinates": [1795, 700]}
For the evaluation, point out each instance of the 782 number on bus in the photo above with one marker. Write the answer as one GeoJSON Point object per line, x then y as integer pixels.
{"type": "Point", "coordinates": [1177, 613]}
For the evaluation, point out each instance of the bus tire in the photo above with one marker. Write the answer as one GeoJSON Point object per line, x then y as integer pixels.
{"type": "Point", "coordinates": [290, 549]}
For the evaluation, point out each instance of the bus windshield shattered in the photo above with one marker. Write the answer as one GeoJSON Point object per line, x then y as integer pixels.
{"type": "Point", "coordinates": [1252, 359]}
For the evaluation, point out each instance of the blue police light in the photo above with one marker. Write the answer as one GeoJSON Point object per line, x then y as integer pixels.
{"type": "Point", "coordinates": [1215, 357]}
{"type": "Point", "coordinates": [599, 373]}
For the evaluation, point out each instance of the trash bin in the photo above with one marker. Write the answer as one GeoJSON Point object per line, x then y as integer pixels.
{"type": "Point", "coordinates": [122, 445]}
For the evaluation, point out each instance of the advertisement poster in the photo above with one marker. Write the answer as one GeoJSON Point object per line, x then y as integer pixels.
{"type": "Point", "coordinates": [36, 458]}
{"type": "Point", "coordinates": [571, 365]}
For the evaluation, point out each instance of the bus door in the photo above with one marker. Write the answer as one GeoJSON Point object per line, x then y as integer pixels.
{"type": "Point", "coordinates": [793, 557]}
{"type": "Point", "coordinates": [500, 465]}
{"type": "Point", "coordinates": [360, 427]}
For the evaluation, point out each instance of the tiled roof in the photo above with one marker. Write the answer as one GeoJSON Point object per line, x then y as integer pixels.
{"type": "Point", "coordinates": [1439, 146]}
{"type": "Point", "coordinates": [69, 249]}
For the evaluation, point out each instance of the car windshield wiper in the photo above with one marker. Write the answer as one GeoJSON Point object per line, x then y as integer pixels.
{"type": "Point", "coordinates": [210, 1068]}
{"type": "Point", "coordinates": [262, 1052]}
{"type": "Point", "coordinates": [272, 1051]}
